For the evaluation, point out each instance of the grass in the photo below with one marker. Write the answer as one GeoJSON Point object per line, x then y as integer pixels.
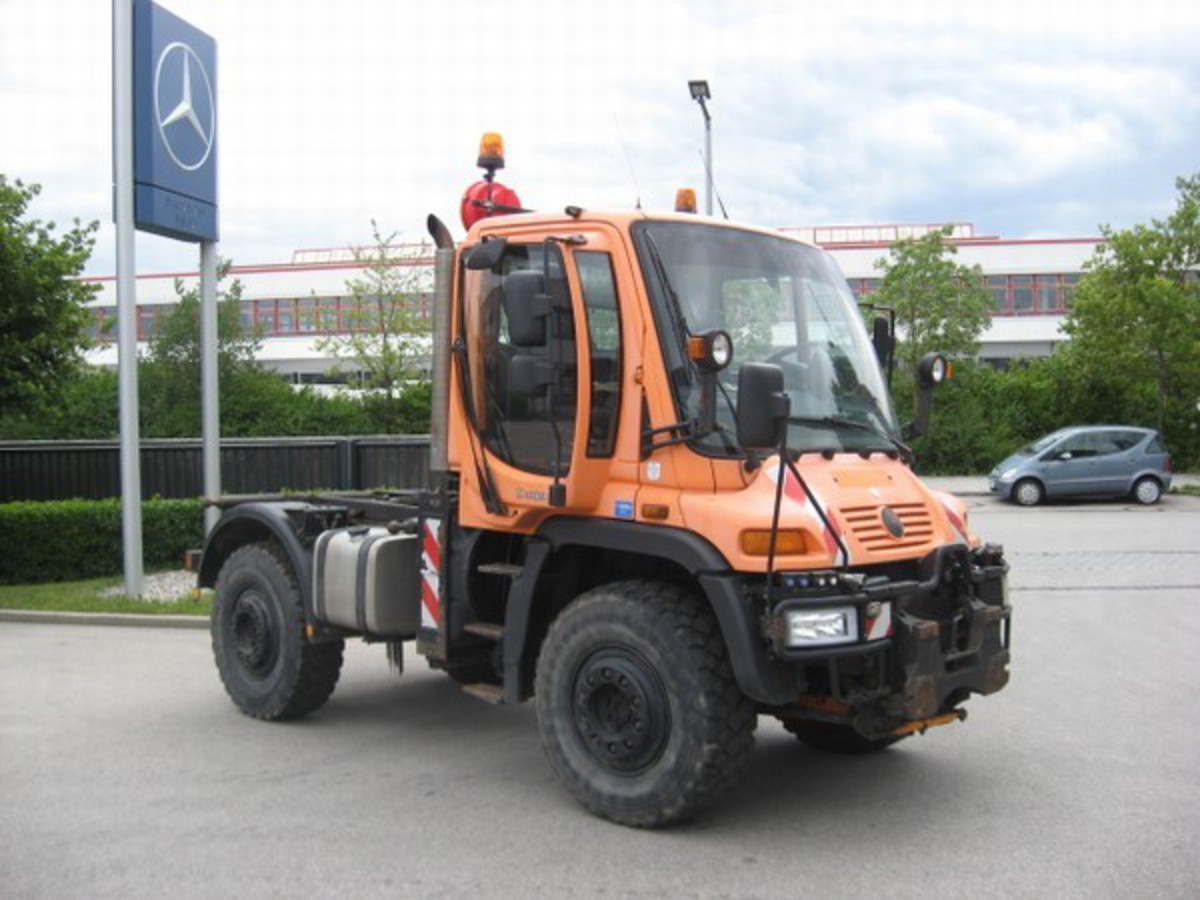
{"type": "Point", "coordinates": [1192, 489]}
{"type": "Point", "coordinates": [82, 596]}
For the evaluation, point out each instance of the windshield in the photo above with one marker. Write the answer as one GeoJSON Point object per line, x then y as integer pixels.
{"type": "Point", "coordinates": [782, 302]}
{"type": "Point", "coordinates": [1041, 444]}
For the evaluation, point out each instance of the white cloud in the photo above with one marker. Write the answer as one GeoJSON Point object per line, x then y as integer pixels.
{"type": "Point", "coordinates": [334, 114]}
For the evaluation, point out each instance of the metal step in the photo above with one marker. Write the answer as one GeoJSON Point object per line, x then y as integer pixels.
{"type": "Point", "coordinates": [508, 570]}
{"type": "Point", "coordinates": [488, 630]}
{"type": "Point", "coordinates": [488, 693]}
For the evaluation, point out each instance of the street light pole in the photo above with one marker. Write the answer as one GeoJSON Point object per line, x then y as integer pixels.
{"type": "Point", "coordinates": [701, 93]}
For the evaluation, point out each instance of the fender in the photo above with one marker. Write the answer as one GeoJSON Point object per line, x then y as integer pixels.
{"type": "Point", "coordinates": [759, 678]}
{"type": "Point", "coordinates": [250, 523]}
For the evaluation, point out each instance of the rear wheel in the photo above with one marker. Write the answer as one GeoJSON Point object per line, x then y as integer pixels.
{"type": "Point", "coordinates": [638, 709]}
{"type": "Point", "coordinates": [1028, 492]}
{"type": "Point", "coordinates": [269, 668]}
{"type": "Point", "coordinates": [836, 738]}
{"type": "Point", "coordinates": [1147, 491]}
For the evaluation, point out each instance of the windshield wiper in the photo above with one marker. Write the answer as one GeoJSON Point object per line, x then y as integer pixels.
{"type": "Point", "coordinates": [660, 270]}
{"type": "Point", "coordinates": [842, 422]}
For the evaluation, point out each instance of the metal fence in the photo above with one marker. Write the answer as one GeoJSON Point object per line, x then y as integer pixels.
{"type": "Point", "coordinates": [60, 470]}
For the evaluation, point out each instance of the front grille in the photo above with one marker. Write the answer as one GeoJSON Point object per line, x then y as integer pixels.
{"type": "Point", "coordinates": [866, 524]}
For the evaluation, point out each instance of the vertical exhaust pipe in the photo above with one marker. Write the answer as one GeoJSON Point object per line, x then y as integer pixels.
{"type": "Point", "coordinates": [443, 277]}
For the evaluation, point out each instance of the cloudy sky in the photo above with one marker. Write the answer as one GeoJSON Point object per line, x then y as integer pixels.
{"type": "Point", "coordinates": [1028, 119]}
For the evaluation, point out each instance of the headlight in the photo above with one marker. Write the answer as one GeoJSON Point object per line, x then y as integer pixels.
{"type": "Point", "coordinates": [1008, 474]}
{"type": "Point", "coordinates": [821, 627]}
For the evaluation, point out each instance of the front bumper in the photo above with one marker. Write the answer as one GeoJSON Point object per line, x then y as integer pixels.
{"type": "Point", "coordinates": [1000, 487]}
{"type": "Point", "coordinates": [946, 637]}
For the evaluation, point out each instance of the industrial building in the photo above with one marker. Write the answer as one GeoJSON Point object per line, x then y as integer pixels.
{"type": "Point", "coordinates": [296, 303]}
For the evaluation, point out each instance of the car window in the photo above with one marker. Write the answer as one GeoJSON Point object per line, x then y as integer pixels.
{"type": "Point", "coordinates": [1156, 446]}
{"type": "Point", "coordinates": [1078, 445]}
{"type": "Point", "coordinates": [1123, 440]}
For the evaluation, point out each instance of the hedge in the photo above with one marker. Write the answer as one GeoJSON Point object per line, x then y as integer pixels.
{"type": "Point", "coordinates": [71, 539]}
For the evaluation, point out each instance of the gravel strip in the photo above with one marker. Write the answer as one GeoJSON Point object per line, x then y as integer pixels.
{"type": "Point", "coordinates": [160, 586]}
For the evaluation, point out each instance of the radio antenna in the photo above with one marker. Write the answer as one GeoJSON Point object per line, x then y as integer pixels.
{"type": "Point", "coordinates": [637, 188]}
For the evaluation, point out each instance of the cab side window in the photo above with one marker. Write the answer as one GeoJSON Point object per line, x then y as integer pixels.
{"type": "Point", "coordinates": [519, 427]}
{"type": "Point", "coordinates": [604, 349]}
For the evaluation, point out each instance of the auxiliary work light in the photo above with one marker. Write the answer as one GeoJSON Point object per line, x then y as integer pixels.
{"type": "Point", "coordinates": [711, 351]}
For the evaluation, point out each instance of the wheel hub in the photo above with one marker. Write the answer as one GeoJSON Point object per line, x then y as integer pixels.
{"type": "Point", "coordinates": [621, 710]}
{"type": "Point", "coordinates": [254, 633]}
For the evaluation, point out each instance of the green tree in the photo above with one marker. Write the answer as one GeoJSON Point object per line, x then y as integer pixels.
{"type": "Point", "coordinates": [940, 304]}
{"type": "Point", "coordinates": [42, 303]}
{"type": "Point", "coordinates": [169, 376]}
{"type": "Point", "coordinates": [1136, 313]}
{"type": "Point", "coordinates": [386, 336]}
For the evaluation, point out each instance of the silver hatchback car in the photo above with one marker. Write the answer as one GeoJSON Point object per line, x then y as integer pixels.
{"type": "Point", "coordinates": [1086, 461]}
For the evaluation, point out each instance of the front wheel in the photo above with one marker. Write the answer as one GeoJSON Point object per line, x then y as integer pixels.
{"type": "Point", "coordinates": [1027, 492]}
{"type": "Point", "coordinates": [270, 670]}
{"type": "Point", "coordinates": [638, 709]}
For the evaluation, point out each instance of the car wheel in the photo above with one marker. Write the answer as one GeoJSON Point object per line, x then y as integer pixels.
{"type": "Point", "coordinates": [1027, 492]}
{"type": "Point", "coordinates": [1147, 491]}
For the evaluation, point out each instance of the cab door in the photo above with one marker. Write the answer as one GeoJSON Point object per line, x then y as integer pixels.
{"type": "Point", "coordinates": [540, 382]}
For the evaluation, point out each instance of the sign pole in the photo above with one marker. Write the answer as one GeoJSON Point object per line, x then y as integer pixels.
{"type": "Point", "coordinates": [131, 478]}
{"type": "Point", "coordinates": [209, 397]}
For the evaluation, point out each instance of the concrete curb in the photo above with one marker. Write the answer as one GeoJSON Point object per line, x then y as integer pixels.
{"type": "Point", "coordinates": [122, 620]}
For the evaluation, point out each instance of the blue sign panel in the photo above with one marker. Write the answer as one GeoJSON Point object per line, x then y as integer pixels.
{"type": "Point", "coordinates": [174, 126]}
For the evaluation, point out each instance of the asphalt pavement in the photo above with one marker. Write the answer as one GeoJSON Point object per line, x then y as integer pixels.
{"type": "Point", "coordinates": [124, 769]}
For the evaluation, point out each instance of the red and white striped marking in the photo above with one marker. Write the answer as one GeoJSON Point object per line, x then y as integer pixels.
{"type": "Point", "coordinates": [431, 566]}
{"type": "Point", "coordinates": [881, 625]}
{"type": "Point", "coordinates": [793, 490]}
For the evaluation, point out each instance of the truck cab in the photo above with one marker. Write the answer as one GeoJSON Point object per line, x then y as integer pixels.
{"type": "Point", "coordinates": [668, 494]}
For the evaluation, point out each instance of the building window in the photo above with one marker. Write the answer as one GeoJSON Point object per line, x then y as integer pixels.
{"type": "Point", "coordinates": [147, 325]}
{"type": "Point", "coordinates": [998, 285]}
{"type": "Point", "coordinates": [1022, 293]}
{"type": "Point", "coordinates": [1047, 293]}
{"type": "Point", "coordinates": [306, 314]}
{"type": "Point", "coordinates": [329, 314]}
{"type": "Point", "coordinates": [266, 316]}
{"type": "Point", "coordinates": [246, 316]}
{"type": "Point", "coordinates": [286, 317]}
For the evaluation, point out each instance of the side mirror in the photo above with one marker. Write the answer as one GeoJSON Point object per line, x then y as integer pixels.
{"type": "Point", "coordinates": [883, 341]}
{"type": "Point", "coordinates": [486, 255]}
{"type": "Point", "coordinates": [1064, 456]}
{"type": "Point", "coordinates": [526, 306]}
{"type": "Point", "coordinates": [762, 406]}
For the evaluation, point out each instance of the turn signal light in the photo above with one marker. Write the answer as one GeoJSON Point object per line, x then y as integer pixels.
{"type": "Point", "coordinates": [757, 542]}
{"type": "Point", "coordinates": [491, 151]}
{"type": "Point", "coordinates": [685, 200]}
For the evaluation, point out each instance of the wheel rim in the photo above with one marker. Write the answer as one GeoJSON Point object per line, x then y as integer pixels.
{"type": "Point", "coordinates": [255, 632]}
{"type": "Point", "coordinates": [1147, 491]}
{"type": "Point", "coordinates": [1028, 494]}
{"type": "Point", "coordinates": [621, 712]}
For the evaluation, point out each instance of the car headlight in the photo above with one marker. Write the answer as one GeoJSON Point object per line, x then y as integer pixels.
{"type": "Point", "coordinates": [821, 627]}
{"type": "Point", "coordinates": [1008, 474]}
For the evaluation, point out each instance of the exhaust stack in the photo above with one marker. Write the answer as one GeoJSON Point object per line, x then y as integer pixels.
{"type": "Point", "coordinates": [443, 275]}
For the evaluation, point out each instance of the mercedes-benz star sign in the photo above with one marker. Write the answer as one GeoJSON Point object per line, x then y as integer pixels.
{"type": "Point", "coordinates": [186, 117]}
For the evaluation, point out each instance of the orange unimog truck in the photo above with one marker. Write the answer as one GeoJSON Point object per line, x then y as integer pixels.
{"type": "Point", "coordinates": [668, 495]}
